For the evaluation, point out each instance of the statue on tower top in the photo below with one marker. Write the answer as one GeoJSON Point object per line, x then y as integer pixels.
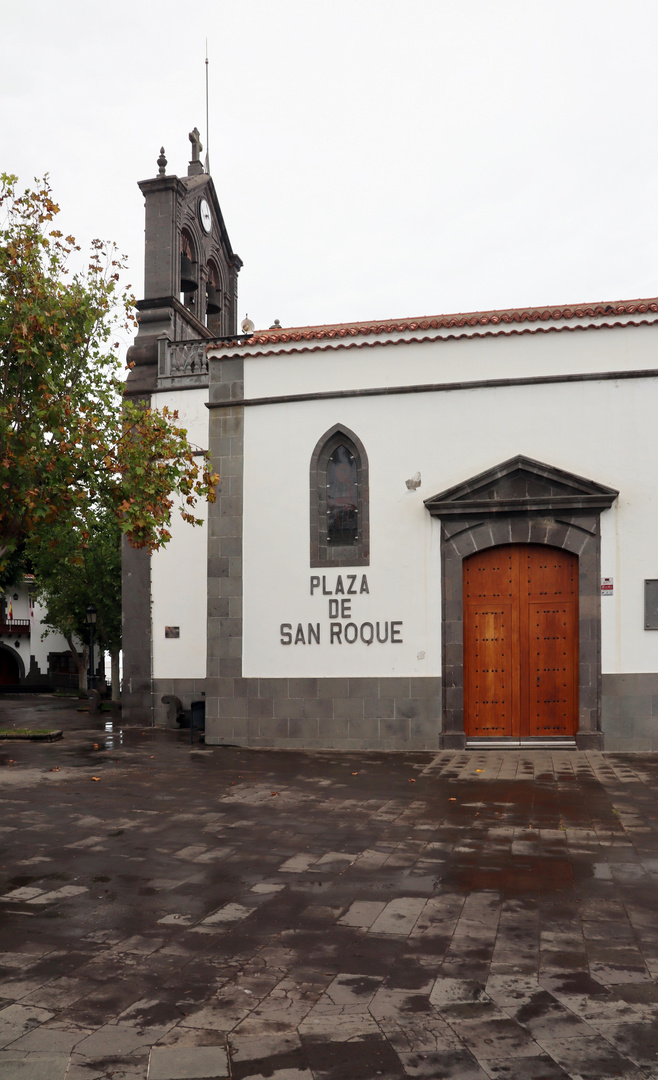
{"type": "Point", "coordinates": [195, 166]}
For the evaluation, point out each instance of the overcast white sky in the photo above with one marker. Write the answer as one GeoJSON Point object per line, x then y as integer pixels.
{"type": "Point", "coordinates": [373, 159]}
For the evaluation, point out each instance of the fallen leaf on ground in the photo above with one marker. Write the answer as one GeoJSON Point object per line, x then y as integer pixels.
{"type": "Point", "coordinates": [275, 792]}
{"type": "Point", "coordinates": [411, 780]}
{"type": "Point", "coordinates": [55, 769]}
{"type": "Point", "coordinates": [95, 777]}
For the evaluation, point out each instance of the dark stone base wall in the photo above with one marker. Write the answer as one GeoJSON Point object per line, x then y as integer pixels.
{"type": "Point", "coordinates": [389, 714]}
{"type": "Point", "coordinates": [629, 711]}
{"type": "Point", "coordinates": [188, 690]}
{"type": "Point", "coordinates": [333, 713]}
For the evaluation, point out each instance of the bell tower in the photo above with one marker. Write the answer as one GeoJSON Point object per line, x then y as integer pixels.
{"type": "Point", "coordinates": [190, 298]}
{"type": "Point", "coordinates": [190, 268]}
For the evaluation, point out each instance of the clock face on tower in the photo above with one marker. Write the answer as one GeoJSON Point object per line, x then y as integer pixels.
{"type": "Point", "coordinates": [205, 216]}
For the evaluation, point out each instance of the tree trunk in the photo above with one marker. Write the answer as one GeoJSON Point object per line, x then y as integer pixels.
{"type": "Point", "coordinates": [81, 660]}
{"type": "Point", "coordinates": [114, 661]}
{"type": "Point", "coordinates": [82, 664]}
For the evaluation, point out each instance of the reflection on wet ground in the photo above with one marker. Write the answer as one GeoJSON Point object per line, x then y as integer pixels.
{"type": "Point", "coordinates": [322, 915]}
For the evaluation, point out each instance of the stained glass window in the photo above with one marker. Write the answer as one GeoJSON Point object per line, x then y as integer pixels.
{"type": "Point", "coordinates": [339, 489]}
{"type": "Point", "coordinates": [342, 497]}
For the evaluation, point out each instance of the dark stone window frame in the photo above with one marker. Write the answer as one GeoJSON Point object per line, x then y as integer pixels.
{"type": "Point", "coordinates": [323, 553]}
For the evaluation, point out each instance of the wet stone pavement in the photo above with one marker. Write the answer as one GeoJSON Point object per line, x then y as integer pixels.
{"type": "Point", "coordinates": [170, 913]}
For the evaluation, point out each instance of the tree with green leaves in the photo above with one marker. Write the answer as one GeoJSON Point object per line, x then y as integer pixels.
{"type": "Point", "coordinates": [80, 563]}
{"type": "Point", "coordinates": [74, 456]}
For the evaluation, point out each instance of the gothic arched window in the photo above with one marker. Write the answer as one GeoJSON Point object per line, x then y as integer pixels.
{"type": "Point", "coordinates": [340, 533]}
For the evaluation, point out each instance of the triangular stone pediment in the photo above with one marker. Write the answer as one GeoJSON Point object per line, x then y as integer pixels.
{"type": "Point", "coordinates": [521, 484]}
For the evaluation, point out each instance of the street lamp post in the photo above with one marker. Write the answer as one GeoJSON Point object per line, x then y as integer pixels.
{"type": "Point", "coordinates": [91, 622]}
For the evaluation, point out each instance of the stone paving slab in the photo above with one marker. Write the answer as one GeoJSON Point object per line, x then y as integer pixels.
{"type": "Point", "coordinates": [200, 913]}
{"type": "Point", "coordinates": [187, 1063]}
{"type": "Point", "coordinates": [14, 1066]}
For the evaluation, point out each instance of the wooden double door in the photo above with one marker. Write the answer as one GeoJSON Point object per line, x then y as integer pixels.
{"type": "Point", "coordinates": [521, 642]}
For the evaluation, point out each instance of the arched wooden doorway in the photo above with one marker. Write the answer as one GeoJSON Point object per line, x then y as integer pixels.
{"type": "Point", "coordinates": [520, 642]}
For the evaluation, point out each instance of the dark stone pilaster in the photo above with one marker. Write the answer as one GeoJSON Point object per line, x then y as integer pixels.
{"type": "Point", "coordinates": [136, 589]}
{"type": "Point", "coordinates": [226, 716]}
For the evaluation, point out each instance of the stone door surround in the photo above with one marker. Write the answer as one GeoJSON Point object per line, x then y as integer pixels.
{"type": "Point", "coordinates": [522, 501]}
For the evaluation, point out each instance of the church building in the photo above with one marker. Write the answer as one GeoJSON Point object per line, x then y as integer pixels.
{"type": "Point", "coordinates": [429, 532]}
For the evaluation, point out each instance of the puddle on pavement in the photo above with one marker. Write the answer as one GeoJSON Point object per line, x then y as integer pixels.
{"type": "Point", "coordinates": [112, 737]}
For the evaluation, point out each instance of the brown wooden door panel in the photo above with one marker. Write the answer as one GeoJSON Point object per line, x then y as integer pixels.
{"type": "Point", "coordinates": [521, 642]}
{"type": "Point", "coordinates": [549, 675]}
{"type": "Point", "coordinates": [490, 575]}
{"type": "Point", "coordinates": [548, 573]}
{"type": "Point", "coordinates": [490, 672]}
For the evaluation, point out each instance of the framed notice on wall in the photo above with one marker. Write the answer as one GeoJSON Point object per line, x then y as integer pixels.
{"type": "Point", "coordinates": [651, 604]}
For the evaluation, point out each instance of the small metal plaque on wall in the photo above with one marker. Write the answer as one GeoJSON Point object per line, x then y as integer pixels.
{"type": "Point", "coordinates": [607, 586]}
{"type": "Point", "coordinates": [172, 631]}
{"type": "Point", "coordinates": [651, 604]}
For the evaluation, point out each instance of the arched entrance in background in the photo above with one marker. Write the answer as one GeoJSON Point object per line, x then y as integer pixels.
{"type": "Point", "coordinates": [10, 673]}
{"type": "Point", "coordinates": [520, 642]}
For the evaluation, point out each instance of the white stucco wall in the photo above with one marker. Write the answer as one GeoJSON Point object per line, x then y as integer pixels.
{"type": "Point", "coordinates": [355, 365]}
{"type": "Point", "coordinates": [178, 571]}
{"type": "Point", "coordinates": [605, 431]}
{"type": "Point", "coordinates": [42, 641]}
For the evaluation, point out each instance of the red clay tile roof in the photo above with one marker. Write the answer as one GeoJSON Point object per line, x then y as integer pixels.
{"type": "Point", "coordinates": [607, 312]}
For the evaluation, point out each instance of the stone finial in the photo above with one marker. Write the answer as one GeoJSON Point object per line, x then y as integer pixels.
{"type": "Point", "coordinates": [276, 325]}
{"type": "Point", "coordinates": [162, 162]}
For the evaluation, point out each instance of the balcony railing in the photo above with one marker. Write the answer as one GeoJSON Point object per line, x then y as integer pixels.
{"type": "Point", "coordinates": [182, 358]}
{"type": "Point", "coordinates": [14, 626]}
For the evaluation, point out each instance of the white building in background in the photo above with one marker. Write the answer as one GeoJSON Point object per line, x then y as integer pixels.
{"type": "Point", "coordinates": [429, 532]}
{"type": "Point", "coordinates": [30, 655]}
